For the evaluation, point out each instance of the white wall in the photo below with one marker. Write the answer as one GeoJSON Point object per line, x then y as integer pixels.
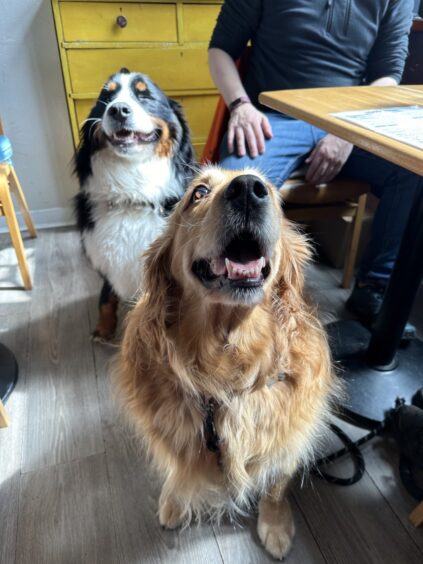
{"type": "Point", "coordinates": [33, 108]}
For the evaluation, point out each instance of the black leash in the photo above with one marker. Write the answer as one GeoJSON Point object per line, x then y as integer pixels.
{"type": "Point", "coordinates": [404, 423]}
{"type": "Point", "coordinates": [352, 448]}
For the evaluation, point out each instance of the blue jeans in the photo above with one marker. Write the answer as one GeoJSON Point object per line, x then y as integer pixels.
{"type": "Point", "coordinates": [292, 141]}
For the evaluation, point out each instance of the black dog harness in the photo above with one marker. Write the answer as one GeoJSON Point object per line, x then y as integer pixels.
{"type": "Point", "coordinates": [210, 435]}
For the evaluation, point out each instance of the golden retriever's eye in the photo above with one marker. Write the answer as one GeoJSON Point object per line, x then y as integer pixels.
{"type": "Point", "coordinates": [199, 193]}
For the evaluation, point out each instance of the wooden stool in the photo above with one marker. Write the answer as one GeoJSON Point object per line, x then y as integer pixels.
{"type": "Point", "coordinates": [4, 419]}
{"type": "Point", "coordinates": [9, 183]}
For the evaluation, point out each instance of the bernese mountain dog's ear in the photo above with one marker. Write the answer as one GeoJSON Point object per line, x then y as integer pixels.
{"type": "Point", "coordinates": [88, 143]}
{"type": "Point", "coordinates": [124, 70]}
{"type": "Point", "coordinates": [185, 156]}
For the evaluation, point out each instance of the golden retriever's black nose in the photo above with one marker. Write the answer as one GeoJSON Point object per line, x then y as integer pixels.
{"type": "Point", "coordinates": [246, 191]}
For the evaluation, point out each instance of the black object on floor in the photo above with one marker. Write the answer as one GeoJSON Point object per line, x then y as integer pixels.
{"type": "Point", "coordinates": [405, 424]}
{"type": "Point", "coordinates": [8, 372]}
{"type": "Point", "coordinates": [375, 368]}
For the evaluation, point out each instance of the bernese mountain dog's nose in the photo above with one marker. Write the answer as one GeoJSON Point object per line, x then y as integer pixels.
{"type": "Point", "coordinates": [119, 111]}
{"type": "Point", "coordinates": [246, 192]}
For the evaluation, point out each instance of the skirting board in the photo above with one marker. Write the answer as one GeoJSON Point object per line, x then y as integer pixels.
{"type": "Point", "coordinates": [51, 217]}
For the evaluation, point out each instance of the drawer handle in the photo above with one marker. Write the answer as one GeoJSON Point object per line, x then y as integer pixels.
{"type": "Point", "coordinates": [121, 21]}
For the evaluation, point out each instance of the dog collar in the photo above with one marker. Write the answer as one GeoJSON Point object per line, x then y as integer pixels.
{"type": "Point", "coordinates": [162, 211]}
{"type": "Point", "coordinates": [129, 204]}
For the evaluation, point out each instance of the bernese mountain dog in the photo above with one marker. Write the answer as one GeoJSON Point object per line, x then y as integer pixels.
{"type": "Point", "coordinates": [133, 163]}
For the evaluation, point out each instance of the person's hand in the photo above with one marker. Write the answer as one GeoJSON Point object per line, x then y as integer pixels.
{"type": "Point", "coordinates": [248, 128]}
{"type": "Point", "coordinates": [327, 158]}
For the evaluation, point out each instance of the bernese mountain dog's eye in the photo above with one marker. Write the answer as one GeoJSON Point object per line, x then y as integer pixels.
{"type": "Point", "coordinates": [199, 193]}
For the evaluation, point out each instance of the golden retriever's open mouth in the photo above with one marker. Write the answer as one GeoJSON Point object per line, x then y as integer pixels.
{"type": "Point", "coordinates": [242, 266]}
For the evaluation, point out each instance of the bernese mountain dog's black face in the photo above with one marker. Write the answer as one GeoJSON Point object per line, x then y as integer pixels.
{"type": "Point", "coordinates": [136, 119]}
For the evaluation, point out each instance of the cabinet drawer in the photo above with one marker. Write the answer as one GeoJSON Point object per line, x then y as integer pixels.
{"type": "Point", "coordinates": [96, 21]}
{"type": "Point", "coordinates": [199, 21]}
{"type": "Point", "coordinates": [172, 69]}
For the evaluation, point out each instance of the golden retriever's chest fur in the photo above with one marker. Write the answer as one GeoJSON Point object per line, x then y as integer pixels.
{"type": "Point", "coordinates": [265, 424]}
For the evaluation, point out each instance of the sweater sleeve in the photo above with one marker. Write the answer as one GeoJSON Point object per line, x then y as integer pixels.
{"type": "Point", "coordinates": [236, 25]}
{"type": "Point", "coordinates": [390, 50]}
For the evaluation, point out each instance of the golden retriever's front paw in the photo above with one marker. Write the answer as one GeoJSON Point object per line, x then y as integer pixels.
{"type": "Point", "coordinates": [276, 538]}
{"type": "Point", "coordinates": [170, 514]}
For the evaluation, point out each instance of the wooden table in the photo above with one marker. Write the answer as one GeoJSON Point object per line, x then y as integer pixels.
{"type": "Point", "coordinates": [315, 106]}
{"type": "Point", "coordinates": [374, 366]}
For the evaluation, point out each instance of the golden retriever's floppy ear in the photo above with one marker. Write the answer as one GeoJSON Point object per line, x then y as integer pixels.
{"type": "Point", "coordinates": [296, 253]}
{"type": "Point", "coordinates": [159, 284]}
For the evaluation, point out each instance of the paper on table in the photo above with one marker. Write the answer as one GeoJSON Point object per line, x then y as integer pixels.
{"type": "Point", "coordinates": [404, 123]}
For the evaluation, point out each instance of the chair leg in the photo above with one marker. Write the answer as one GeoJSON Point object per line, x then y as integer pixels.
{"type": "Point", "coordinates": [416, 516]}
{"type": "Point", "coordinates": [15, 234]}
{"type": "Point", "coordinates": [4, 419]}
{"type": "Point", "coordinates": [20, 196]}
{"type": "Point", "coordinates": [355, 239]}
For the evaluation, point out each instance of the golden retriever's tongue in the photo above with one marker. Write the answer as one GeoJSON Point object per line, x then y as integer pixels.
{"type": "Point", "coordinates": [242, 270]}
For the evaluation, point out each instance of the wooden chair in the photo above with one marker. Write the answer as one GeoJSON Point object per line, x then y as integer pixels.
{"type": "Point", "coordinates": [416, 516]}
{"type": "Point", "coordinates": [9, 183]}
{"type": "Point", "coordinates": [304, 202]}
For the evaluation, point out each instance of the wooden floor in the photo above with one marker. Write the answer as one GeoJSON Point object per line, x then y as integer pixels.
{"type": "Point", "coordinates": [74, 487]}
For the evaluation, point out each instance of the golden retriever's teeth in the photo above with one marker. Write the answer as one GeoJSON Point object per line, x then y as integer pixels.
{"type": "Point", "coordinates": [218, 266]}
{"type": "Point", "coordinates": [228, 265]}
{"type": "Point", "coordinates": [239, 271]}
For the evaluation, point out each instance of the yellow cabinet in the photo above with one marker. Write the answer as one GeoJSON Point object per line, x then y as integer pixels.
{"type": "Point", "coordinates": [166, 39]}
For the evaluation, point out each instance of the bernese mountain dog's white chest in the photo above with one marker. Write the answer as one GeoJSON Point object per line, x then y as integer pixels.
{"type": "Point", "coordinates": [116, 245]}
{"type": "Point", "coordinates": [128, 215]}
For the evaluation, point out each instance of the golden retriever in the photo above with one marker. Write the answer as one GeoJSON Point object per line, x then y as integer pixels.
{"type": "Point", "coordinates": [224, 368]}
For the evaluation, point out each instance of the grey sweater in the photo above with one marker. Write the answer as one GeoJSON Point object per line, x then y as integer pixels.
{"type": "Point", "coordinates": [313, 43]}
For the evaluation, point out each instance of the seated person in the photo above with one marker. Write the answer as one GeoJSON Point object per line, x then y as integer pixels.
{"type": "Point", "coordinates": [317, 43]}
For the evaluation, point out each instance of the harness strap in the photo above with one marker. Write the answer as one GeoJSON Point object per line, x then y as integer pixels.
{"type": "Point", "coordinates": [210, 434]}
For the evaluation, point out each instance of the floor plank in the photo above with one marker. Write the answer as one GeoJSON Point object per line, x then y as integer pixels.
{"type": "Point", "coordinates": [65, 515]}
{"type": "Point", "coordinates": [14, 334]}
{"type": "Point", "coordinates": [63, 414]}
{"type": "Point", "coordinates": [13, 297]}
